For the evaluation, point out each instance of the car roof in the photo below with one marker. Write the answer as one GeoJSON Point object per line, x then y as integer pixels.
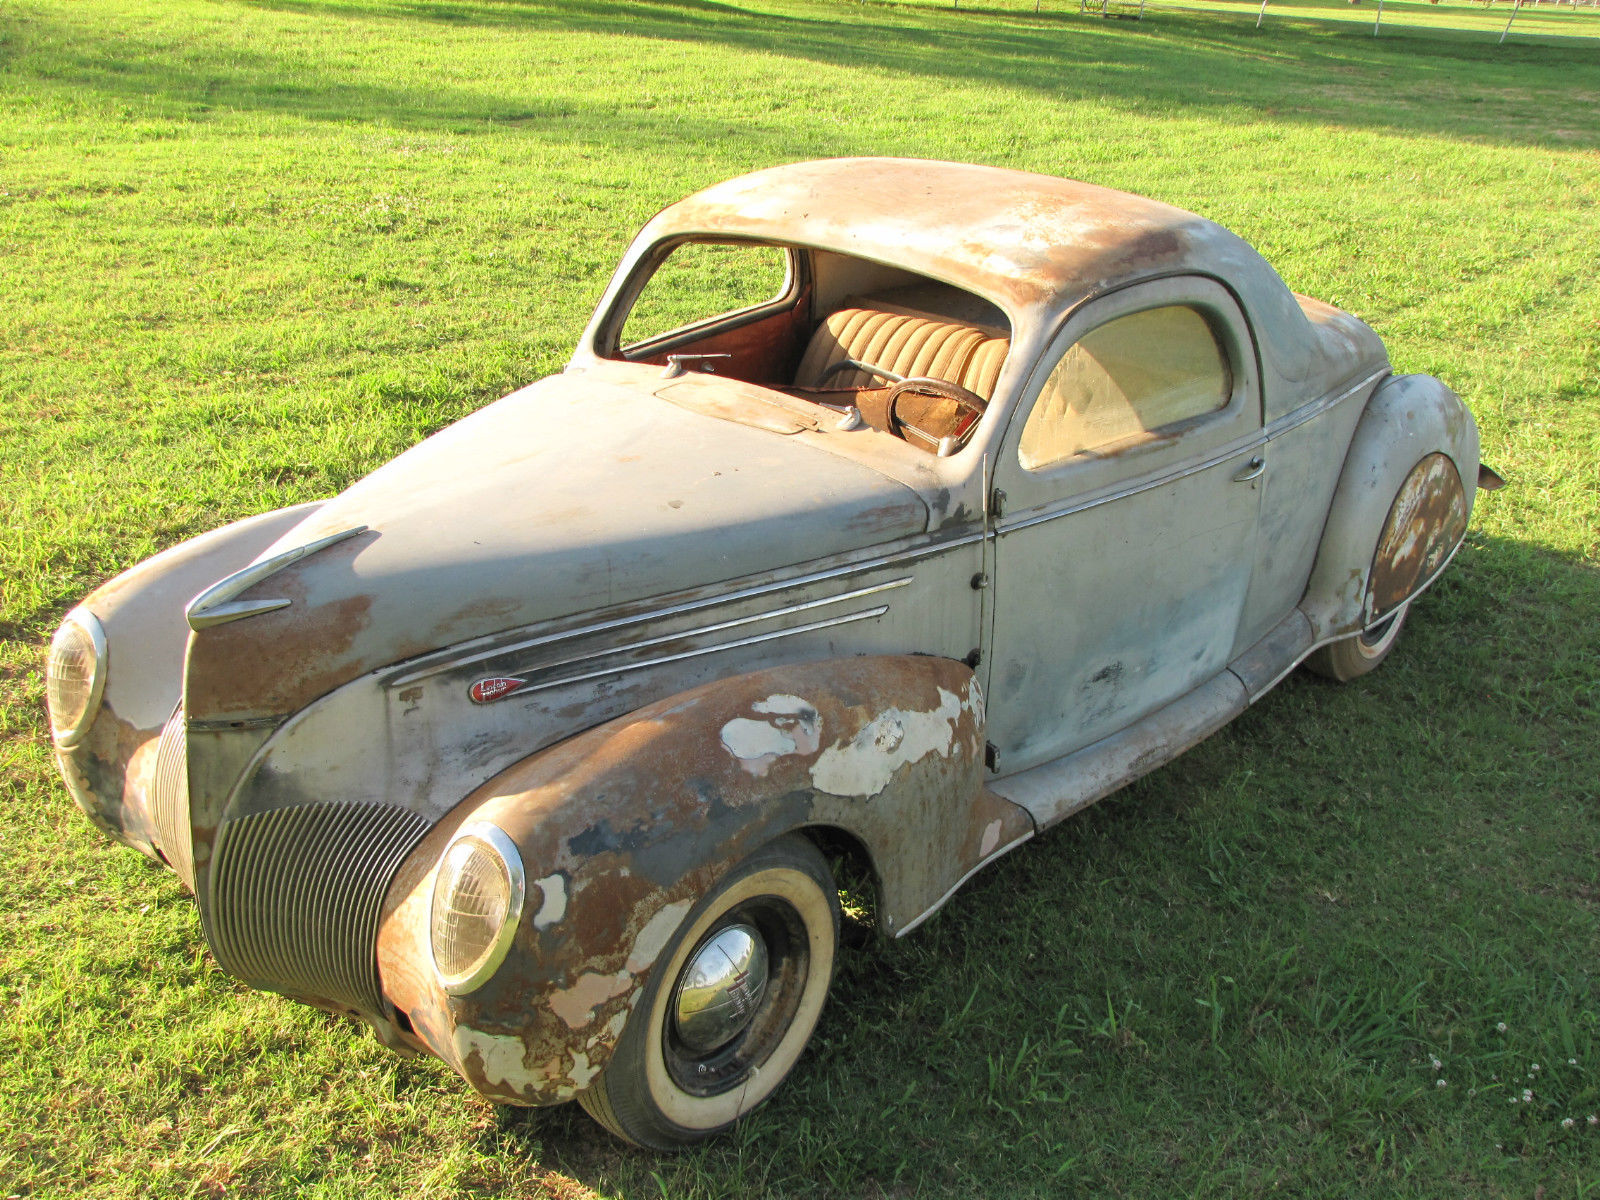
{"type": "Point", "coordinates": [1026, 242]}
{"type": "Point", "coordinates": [1035, 245]}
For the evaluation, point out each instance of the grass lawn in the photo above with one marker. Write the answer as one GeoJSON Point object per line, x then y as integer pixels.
{"type": "Point", "coordinates": [250, 249]}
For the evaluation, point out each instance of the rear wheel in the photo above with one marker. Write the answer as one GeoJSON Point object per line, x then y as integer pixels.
{"type": "Point", "coordinates": [731, 1005]}
{"type": "Point", "coordinates": [1350, 658]}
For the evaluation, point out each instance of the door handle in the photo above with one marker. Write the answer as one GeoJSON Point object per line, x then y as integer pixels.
{"type": "Point", "coordinates": [1250, 470]}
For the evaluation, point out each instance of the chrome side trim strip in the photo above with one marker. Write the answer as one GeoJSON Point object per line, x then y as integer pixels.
{"type": "Point", "coordinates": [1231, 450]}
{"type": "Point", "coordinates": [1298, 417]}
{"type": "Point", "coordinates": [229, 724]}
{"type": "Point", "coordinates": [624, 668]}
{"type": "Point", "coordinates": [733, 623]}
{"type": "Point", "coordinates": [213, 607]}
{"type": "Point", "coordinates": [456, 657]}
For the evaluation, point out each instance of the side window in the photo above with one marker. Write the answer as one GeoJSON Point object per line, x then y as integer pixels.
{"type": "Point", "coordinates": [1133, 375]}
{"type": "Point", "coordinates": [700, 281]}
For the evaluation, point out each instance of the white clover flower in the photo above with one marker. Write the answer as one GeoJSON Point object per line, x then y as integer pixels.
{"type": "Point", "coordinates": [1572, 1062]}
{"type": "Point", "coordinates": [1440, 1083]}
{"type": "Point", "coordinates": [1533, 1066]}
{"type": "Point", "coordinates": [1501, 1027]}
{"type": "Point", "coordinates": [1527, 1095]}
{"type": "Point", "coordinates": [1567, 1123]}
{"type": "Point", "coordinates": [1594, 1120]}
{"type": "Point", "coordinates": [1437, 1065]}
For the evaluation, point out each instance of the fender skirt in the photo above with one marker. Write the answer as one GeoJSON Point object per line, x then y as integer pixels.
{"type": "Point", "coordinates": [1425, 525]}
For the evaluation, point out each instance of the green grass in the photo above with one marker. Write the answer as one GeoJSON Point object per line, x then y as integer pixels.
{"type": "Point", "coordinates": [250, 250]}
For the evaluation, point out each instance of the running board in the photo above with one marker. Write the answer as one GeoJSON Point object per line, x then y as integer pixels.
{"type": "Point", "coordinates": [1055, 790]}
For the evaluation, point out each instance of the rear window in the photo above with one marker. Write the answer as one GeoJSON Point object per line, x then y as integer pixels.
{"type": "Point", "coordinates": [701, 281]}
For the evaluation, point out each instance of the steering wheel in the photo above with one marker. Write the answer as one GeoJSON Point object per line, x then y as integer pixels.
{"type": "Point", "coordinates": [968, 404]}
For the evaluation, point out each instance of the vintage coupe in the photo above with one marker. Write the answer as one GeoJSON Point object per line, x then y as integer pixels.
{"type": "Point", "coordinates": [891, 510]}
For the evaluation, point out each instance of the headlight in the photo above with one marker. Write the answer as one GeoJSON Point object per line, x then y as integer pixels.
{"type": "Point", "coordinates": [477, 900]}
{"type": "Point", "coordinates": [75, 676]}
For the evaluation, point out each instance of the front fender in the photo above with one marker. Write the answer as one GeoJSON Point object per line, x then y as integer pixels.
{"type": "Point", "coordinates": [110, 772]}
{"type": "Point", "coordinates": [1400, 509]}
{"type": "Point", "coordinates": [623, 828]}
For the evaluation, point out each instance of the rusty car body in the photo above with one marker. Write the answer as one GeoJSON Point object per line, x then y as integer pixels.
{"type": "Point", "coordinates": [944, 501]}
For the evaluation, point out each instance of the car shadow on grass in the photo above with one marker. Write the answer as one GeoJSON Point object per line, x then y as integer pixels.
{"type": "Point", "coordinates": [1242, 966]}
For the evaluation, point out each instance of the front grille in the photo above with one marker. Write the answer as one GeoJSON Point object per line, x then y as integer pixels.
{"type": "Point", "coordinates": [296, 895]}
{"type": "Point", "coordinates": [170, 803]}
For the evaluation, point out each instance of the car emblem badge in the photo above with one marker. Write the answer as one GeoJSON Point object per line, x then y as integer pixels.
{"type": "Point", "coordinates": [496, 687]}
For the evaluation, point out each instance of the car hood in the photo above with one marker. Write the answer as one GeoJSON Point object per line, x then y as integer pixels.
{"type": "Point", "coordinates": [585, 491]}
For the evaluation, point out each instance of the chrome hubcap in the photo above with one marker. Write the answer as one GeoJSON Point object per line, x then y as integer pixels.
{"type": "Point", "coordinates": [721, 988]}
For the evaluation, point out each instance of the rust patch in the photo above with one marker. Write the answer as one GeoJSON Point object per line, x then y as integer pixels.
{"type": "Point", "coordinates": [278, 662]}
{"type": "Point", "coordinates": [1425, 524]}
{"type": "Point", "coordinates": [1025, 241]}
{"type": "Point", "coordinates": [108, 774]}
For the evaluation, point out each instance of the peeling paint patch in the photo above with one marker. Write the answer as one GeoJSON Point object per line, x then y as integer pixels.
{"type": "Point", "coordinates": [575, 1005]}
{"type": "Point", "coordinates": [975, 703]}
{"type": "Point", "coordinates": [502, 1057]}
{"type": "Point", "coordinates": [582, 1074]}
{"type": "Point", "coordinates": [793, 727]}
{"type": "Point", "coordinates": [653, 937]}
{"type": "Point", "coordinates": [756, 744]}
{"type": "Point", "coordinates": [554, 890]}
{"type": "Point", "coordinates": [864, 765]}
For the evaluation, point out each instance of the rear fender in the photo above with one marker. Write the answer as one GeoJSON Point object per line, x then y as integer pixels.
{"type": "Point", "coordinates": [1400, 509]}
{"type": "Point", "coordinates": [623, 828]}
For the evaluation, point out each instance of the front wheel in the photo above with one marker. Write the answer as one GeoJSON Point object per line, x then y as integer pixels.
{"type": "Point", "coordinates": [732, 1003]}
{"type": "Point", "coordinates": [1350, 658]}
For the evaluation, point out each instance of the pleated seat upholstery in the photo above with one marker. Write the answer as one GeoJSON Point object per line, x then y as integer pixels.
{"type": "Point", "coordinates": [909, 344]}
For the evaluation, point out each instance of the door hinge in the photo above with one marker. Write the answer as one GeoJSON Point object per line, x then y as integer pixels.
{"type": "Point", "coordinates": [991, 757]}
{"type": "Point", "coordinates": [997, 503]}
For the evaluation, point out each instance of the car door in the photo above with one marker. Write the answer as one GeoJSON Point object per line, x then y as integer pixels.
{"type": "Point", "coordinates": [1128, 486]}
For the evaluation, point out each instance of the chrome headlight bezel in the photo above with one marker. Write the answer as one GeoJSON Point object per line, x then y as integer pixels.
{"type": "Point", "coordinates": [80, 621]}
{"type": "Point", "coordinates": [478, 972]}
